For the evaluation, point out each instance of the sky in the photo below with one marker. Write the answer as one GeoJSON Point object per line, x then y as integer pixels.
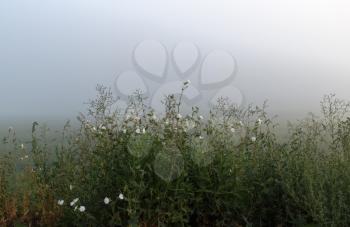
{"type": "Point", "coordinates": [54, 52]}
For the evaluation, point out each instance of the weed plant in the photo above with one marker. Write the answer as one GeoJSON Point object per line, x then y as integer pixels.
{"type": "Point", "coordinates": [131, 167]}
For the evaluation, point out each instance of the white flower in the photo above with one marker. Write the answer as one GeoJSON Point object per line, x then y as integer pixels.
{"type": "Point", "coordinates": [253, 138]}
{"type": "Point", "coordinates": [259, 121]}
{"type": "Point", "coordinates": [103, 128]}
{"type": "Point", "coordinates": [22, 146]}
{"type": "Point", "coordinates": [154, 117]}
{"type": "Point", "coordinates": [233, 130]}
{"type": "Point", "coordinates": [124, 130]}
{"type": "Point", "coordinates": [143, 130]}
{"type": "Point", "coordinates": [82, 208]}
{"type": "Point", "coordinates": [70, 187]}
{"type": "Point", "coordinates": [201, 117]}
{"type": "Point", "coordinates": [94, 128]}
{"type": "Point", "coordinates": [121, 196]}
{"type": "Point", "coordinates": [200, 137]}
{"type": "Point", "coordinates": [106, 200]}
{"type": "Point", "coordinates": [240, 123]}
{"type": "Point", "coordinates": [26, 156]}
{"type": "Point", "coordinates": [138, 131]}
{"type": "Point", "coordinates": [74, 202]}
{"type": "Point", "coordinates": [60, 202]}
{"type": "Point", "coordinates": [179, 116]}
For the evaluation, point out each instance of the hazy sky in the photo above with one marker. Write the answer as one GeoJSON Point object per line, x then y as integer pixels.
{"type": "Point", "coordinates": [53, 52]}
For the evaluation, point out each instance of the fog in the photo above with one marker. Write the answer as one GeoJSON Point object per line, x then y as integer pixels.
{"type": "Point", "coordinates": [53, 53]}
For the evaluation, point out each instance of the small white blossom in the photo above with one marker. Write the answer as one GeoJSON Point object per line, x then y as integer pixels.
{"type": "Point", "coordinates": [124, 130]}
{"type": "Point", "coordinates": [106, 200]}
{"type": "Point", "coordinates": [70, 187]}
{"type": "Point", "coordinates": [201, 117]}
{"type": "Point", "coordinates": [60, 202]}
{"type": "Point", "coordinates": [253, 138]}
{"type": "Point", "coordinates": [74, 202]}
{"type": "Point", "coordinates": [138, 131]}
{"type": "Point", "coordinates": [179, 116]}
{"type": "Point", "coordinates": [233, 130]}
{"type": "Point", "coordinates": [143, 131]}
{"type": "Point", "coordinates": [241, 123]}
{"type": "Point", "coordinates": [121, 196]}
{"type": "Point", "coordinates": [94, 128]}
{"type": "Point", "coordinates": [22, 146]}
{"type": "Point", "coordinates": [259, 121]}
{"type": "Point", "coordinates": [82, 208]}
{"type": "Point", "coordinates": [200, 137]}
{"type": "Point", "coordinates": [26, 156]}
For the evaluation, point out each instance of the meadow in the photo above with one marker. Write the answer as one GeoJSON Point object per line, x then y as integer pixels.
{"type": "Point", "coordinates": [134, 167]}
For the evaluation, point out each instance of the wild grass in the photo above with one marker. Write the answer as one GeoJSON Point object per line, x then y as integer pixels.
{"type": "Point", "coordinates": [133, 168]}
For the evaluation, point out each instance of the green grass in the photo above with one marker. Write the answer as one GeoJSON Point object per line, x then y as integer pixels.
{"type": "Point", "coordinates": [224, 169]}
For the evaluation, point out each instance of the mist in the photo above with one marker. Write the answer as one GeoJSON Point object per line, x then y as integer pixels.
{"type": "Point", "coordinates": [53, 53]}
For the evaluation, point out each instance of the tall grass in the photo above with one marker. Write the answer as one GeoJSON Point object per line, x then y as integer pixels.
{"type": "Point", "coordinates": [133, 168]}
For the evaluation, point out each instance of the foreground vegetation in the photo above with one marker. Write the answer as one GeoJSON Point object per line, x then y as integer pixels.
{"type": "Point", "coordinates": [133, 168]}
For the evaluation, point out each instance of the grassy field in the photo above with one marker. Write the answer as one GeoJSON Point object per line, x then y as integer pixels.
{"type": "Point", "coordinates": [134, 168]}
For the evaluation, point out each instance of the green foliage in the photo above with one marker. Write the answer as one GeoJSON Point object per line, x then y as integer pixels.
{"type": "Point", "coordinates": [132, 168]}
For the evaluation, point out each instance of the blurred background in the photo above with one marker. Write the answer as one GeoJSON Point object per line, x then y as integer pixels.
{"type": "Point", "coordinates": [53, 53]}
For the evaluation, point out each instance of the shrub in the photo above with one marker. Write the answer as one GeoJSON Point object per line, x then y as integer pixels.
{"type": "Point", "coordinates": [132, 168]}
